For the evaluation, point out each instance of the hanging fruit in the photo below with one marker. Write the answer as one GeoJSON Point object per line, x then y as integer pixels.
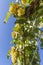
{"type": "Point", "coordinates": [23, 1]}
{"type": "Point", "coordinates": [14, 54]}
{"type": "Point", "coordinates": [13, 9]}
{"type": "Point", "coordinates": [21, 11]}
{"type": "Point", "coordinates": [14, 34]}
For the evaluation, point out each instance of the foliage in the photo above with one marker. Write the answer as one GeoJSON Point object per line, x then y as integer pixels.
{"type": "Point", "coordinates": [26, 32]}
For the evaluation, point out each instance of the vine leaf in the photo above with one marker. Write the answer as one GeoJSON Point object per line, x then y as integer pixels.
{"type": "Point", "coordinates": [41, 44]}
{"type": "Point", "coordinates": [8, 55]}
{"type": "Point", "coordinates": [29, 1]}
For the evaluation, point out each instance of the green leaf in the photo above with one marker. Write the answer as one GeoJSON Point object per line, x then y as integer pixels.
{"type": "Point", "coordinates": [11, 3]}
{"type": "Point", "coordinates": [29, 1]}
{"type": "Point", "coordinates": [41, 44]}
{"type": "Point", "coordinates": [7, 17]}
{"type": "Point", "coordinates": [11, 42]}
{"type": "Point", "coordinates": [9, 52]}
{"type": "Point", "coordinates": [8, 55]}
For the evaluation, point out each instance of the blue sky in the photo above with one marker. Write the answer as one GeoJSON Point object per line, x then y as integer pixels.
{"type": "Point", "coordinates": [5, 34]}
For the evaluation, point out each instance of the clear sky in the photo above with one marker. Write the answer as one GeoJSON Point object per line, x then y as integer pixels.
{"type": "Point", "coordinates": [5, 34]}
